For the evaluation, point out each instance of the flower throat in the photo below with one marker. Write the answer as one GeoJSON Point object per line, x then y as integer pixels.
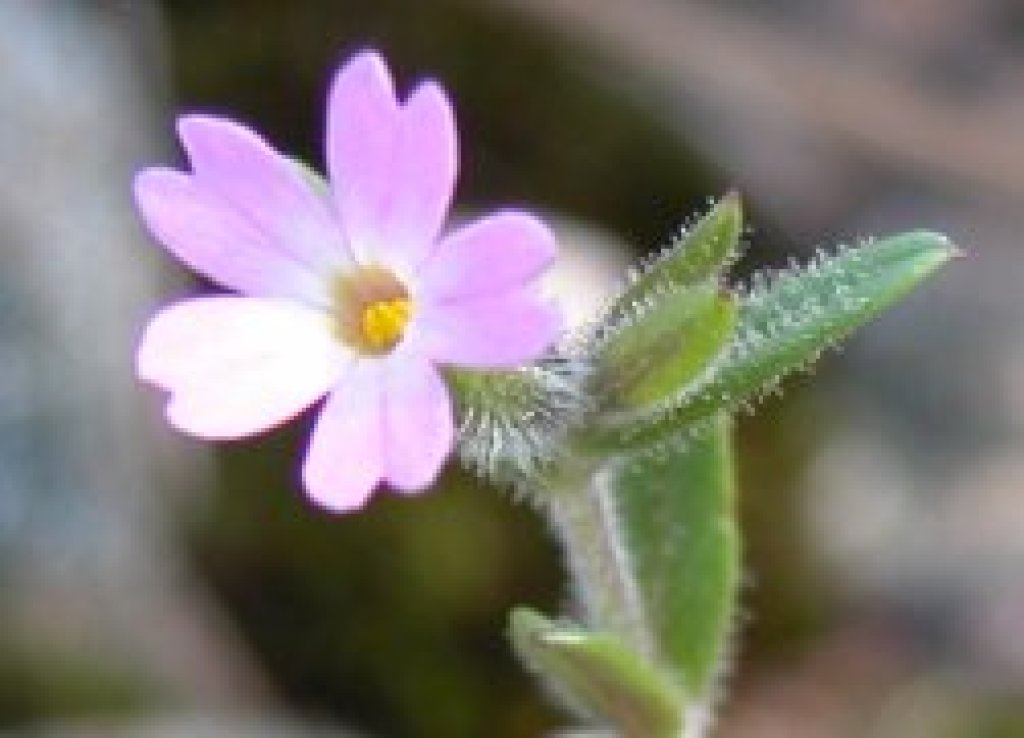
{"type": "Point", "coordinates": [371, 310]}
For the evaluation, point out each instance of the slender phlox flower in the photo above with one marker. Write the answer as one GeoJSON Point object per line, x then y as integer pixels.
{"type": "Point", "coordinates": [354, 293]}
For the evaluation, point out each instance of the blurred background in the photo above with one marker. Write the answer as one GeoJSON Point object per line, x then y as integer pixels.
{"type": "Point", "coordinates": [154, 586]}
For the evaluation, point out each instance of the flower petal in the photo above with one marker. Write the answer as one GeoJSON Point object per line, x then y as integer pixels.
{"type": "Point", "coordinates": [236, 366]}
{"type": "Point", "coordinates": [362, 132]}
{"type": "Point", "coordinates": [495, 254]}
{"type": "Point", "coordinates": [392, 167]}
{"type": "Point", "coordinates": [267, 189]}
{"type": "Point", "coordinates": [345, 459]}
{"type": "Point", "coordinates": [428, 157]}
{"type": "Point", "coordinates": [418, 426]}
{"type": "Point", "coordinates": [490, 332]}
{"type": "Point", "coordinates": [215, 240]}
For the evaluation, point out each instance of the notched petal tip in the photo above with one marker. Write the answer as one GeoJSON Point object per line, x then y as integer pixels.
{"type": "Point", "coordinates": [432, 99]}
{"type": "Point", "coordinates": [430, 112]}
{"type": "Point", "coordinates": [365, 73]}
{"type": "Point", "coordinates": [430, 89]}
{"type": "Point", "coordinates": [369, 59]}
{"type": "Point", "coordinates": [412, 489]}
{"type": "Point", "coordinates": [238, 366]}
{"type": "Point", "coordinates": [536, 241]}
{"type": "Point", "coordinates": [191, 125]}
{"type": "Point", "coordinates": [201, 133]}
{"type": "Point", "coordinates": [419, 427]}
{"type": "Point", "coordinates": [344, 460]}
{"type": "Point", "coordinates": [146, 368]}
{"type": "Point", "coordinates": [150, 363]}
{"type": "Point", "coordinates": [183, 415]}
{"type": "Point", "coordinates": [203, 125]}
{"type": "Point", "coordinates": [323, 496]}
{"type": "Point", "coordinates": [207, 139]}
{"type": "Point", "coordinates": [392, 165]}
{"type": "Point", "coordinates": [365, 55]}
{"type": "Point", "coordinates": [150, 185]}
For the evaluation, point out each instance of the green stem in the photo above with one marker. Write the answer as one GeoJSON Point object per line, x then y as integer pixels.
{"type": "Point", "coordinates": [583, 512]}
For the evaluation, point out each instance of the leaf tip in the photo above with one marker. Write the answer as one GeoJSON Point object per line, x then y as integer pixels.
{"type": "Point", "coordinates": [732, 199]}
{"type": "Point", "coordinates": [940, 239]}
{"type": "Point", "coordinates": [940, 246]}
{"type": "Point", "coordinates": [936, 241]}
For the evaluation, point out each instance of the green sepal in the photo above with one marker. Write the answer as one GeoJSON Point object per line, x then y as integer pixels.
{"type": "Point", "coordinates": [677, 511]}
{"type": "Point", "coordinates": [785, 324]}
{"type": "Point", "coordinates": [700, 253]}
{"type": "Point", "coordinates": [511, 423]}
{"type": "Point", "coordinates": [657, 353]}
{"type": "Point", "coordinates": [596, 675]}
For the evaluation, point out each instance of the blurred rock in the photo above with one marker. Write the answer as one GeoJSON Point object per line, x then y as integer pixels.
{"type": "Point", "coordinates": [92, 574]}
{"type": "Point", "coordinates": [192, 727]}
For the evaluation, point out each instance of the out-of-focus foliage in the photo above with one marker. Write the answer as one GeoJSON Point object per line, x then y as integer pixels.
{"type": "Point", "coordinates": [386, 619]}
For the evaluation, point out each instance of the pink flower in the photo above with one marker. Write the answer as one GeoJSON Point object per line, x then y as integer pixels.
{"type": "Point", "coordinates": [353, 293]}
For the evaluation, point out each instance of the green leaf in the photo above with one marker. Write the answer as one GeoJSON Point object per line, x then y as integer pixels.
{"type": "Point", "coordinates": [654, 355]}
{"type": "Point", "coordinates": [785, 324]}
{"type": "Point", "coordinates": [677, 512]}
{"type": "Point", "coordinates": [598, 676]}
{"type": "Point", "coordinates": [699, 254]}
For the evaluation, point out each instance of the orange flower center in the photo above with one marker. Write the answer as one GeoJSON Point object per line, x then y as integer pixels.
{"type": "Point", "coordinates": [372, 309]}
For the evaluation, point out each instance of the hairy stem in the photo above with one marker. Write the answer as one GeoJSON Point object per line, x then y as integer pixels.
{"type": "Point", "coordinates": [584, 514]}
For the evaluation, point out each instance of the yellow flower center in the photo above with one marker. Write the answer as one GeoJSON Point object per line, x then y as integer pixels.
{"type": "Point", "coordinates": [383, 322]}
{"type": "Point", "coordinates": [372, 310]}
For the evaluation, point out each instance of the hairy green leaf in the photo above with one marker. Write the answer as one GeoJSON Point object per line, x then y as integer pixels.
{"type": "Point", "coordinates": [595, 674]}
{"type": "Point", "coordinates": [655, 354]}
{"type": "Point", "coordinates": [697, 255]}
{"type": "Point", "coordinates": [678, 517]}
{"type": "Point", "coordinates": [784, 325]}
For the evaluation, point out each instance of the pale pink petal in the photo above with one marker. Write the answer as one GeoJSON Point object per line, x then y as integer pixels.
{"type": "Point", "coordinates": [486, 332]}
{"type": "Point", "coordinates": [362, 134]}
{"type": "Point", "coordinates": [496, 254]}
{"type": "Point", "coordinates": [214, 239]}
{"type": "Point", "coordinates": [425, 184]}
{"type": "Point", "coordinates": [418, 427]}
{"type": "Point", "coordinates": [236, 366]}
{"type": "Point", "coordinates": [266, 188]}
{"type": "Point", "coordinates": [392, 167]}
{"type": "Point", "coordinates": [345, 459]}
